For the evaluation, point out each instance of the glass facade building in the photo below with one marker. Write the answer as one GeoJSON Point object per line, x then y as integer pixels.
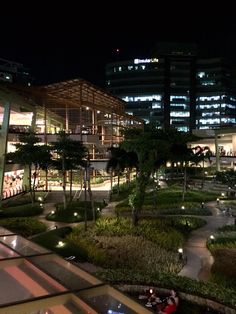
{"type": "Point", "coordinates": [175, 88]}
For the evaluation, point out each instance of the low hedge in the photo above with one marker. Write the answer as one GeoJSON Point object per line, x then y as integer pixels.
{"type": "Point", "coordinates": [67, 215]}
{"type": "Point", "coordinates": [203, 289]}
{"type": "Point", "coordinates": [26, 210]}
{"type": "Point", "coordinates": [50, 241]}
{"type": "Point", "coordinates": [23, 226]}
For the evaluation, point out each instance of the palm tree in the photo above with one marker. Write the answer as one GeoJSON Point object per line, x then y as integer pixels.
{"type": "Point", "coordinates": [200, 154]}
{"type": "Point", "coordinates": [120, 160]}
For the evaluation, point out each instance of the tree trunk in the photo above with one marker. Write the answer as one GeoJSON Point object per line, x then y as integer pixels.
{"type": "Point", "coordinates": [111, 180]}
{"type": "Point", "coordinates": [141, 184]}
{"type": "Point", "coordinates": [118, 183]}
{"type": "Point", "coordinates": [30, 185]}
{"type": "Point", "coordinates": [46, 179]}
{"type": "Point", "coordinates": [185, 183]}
{"type": "Point", "coordinates": [64, 183]}
{"type": "Point", "coordinates": [71, 178]}
{"type": "Point", "coordinates": [33, 186]}
{"type": "Point", "coordinates": [135, 217]}
{"type": "Point", "coordinates": [91, 198]}
{"type": "Point", "coordinates": [85, 200]}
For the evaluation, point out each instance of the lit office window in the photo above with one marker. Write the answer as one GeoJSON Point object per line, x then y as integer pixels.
{"type": "Point", "coordinates": [174, 97]}
{"type": "Point", "coordinates": [210, 121]}
{"type": "Point", "coordinates": [228, 120]}
{"type": "Point", "coordinates": [156, 105]}
{"type": "Point", "coordinates": [211, 114]}
{"type": "Point", "coordinates": [143, 67]}
{"type": "Point", "coordinates": [120, 69]}
{"type": "Point", "coordinates": [208, 83]}
{"type": "Point", "coordinates": [201, 74]}
{"type": "Point", "coordinates": [179, 114]}
{"type": "Point", "coordinates": [208, 98]}
{"type": "Point", "coordinates": [183, 128]}
{"type": "Point", "coordinates": [130, 67]}
{"type": "Point", "coordinates": [142, 98]}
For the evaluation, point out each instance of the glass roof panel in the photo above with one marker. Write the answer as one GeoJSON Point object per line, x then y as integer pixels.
{"type": "Point", "coordinates": [23, 246]}
{"type": "Point", "coordinates": [65, 272]}
{"type": "Point", "coordinates": [23, 281]}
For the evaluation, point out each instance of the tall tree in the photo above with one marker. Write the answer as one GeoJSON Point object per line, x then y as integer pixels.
{"type": "Point", "coordinates": [151, 149]}
{"type": "Point", "coordinates": [33, 155]}
{"type": "Point", "coordinates": [120, 160]}
{"type": "Point", "coordinates": [70, 154]}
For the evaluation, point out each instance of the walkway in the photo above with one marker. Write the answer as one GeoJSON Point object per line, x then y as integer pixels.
{"type": "Point", "coordinates": [199, 259]}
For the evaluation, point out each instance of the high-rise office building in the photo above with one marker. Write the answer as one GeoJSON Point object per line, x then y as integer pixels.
{"type": "Point", "coordinates": [175, 88]}
{"type": "Point", "coordinates": [14, 72]}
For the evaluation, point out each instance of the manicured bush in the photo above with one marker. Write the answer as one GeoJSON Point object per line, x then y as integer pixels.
{"type": "Point", "coordinates": [224, 262]}
{"type": "Point", "coordinates": [22, 211]}
{"type": "Point", "coordinates": [223, 248]}
{"type": "Point", "coordinates": [24, 226]}
{"type": "Point", "coordinates": [67, 215]}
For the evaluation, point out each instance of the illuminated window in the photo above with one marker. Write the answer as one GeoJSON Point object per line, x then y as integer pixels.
{"type": "Point", "coordinates": [130, 67]}
{"type": "Point", "coordinates": [179, 114]}
{"type": "Point", "coordinates": [201, 74]}
{"type": "Point", "coordinates": [142, 98]}
{"type": "Point", "coordinates": [156, 105]}
{"type": "Point", "coordinates": [174, 97]}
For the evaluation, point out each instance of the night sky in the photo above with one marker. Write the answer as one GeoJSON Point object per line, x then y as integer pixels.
{"type": "Point", "coordinates": [71, 40]}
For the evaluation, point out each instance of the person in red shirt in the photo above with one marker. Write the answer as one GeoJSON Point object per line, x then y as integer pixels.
{"type": "Point", "coordinates": [170, 307]}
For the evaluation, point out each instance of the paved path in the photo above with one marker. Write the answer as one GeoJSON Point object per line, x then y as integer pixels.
{"type": "Point", "coordinates": [199, 259]}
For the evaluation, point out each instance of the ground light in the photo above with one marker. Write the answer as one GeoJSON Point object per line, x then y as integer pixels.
{"type": "Point", "coordinates": [52, 212]}
{"type": "Point", "coordinates": [75, 214]}
{"type": "Point", "coordinates": [60, 244]}
{"type": "Point", "coordinates": [183, 207]}
{"type": "Point", "coordinates": [212, 238]}
{"type": "Point", "coordinates": [180, 251]}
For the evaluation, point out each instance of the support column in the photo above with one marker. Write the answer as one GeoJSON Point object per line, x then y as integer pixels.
{"type": "Point", "coordinates": [217, 153]}
{"type": "Point", "coordinates": [3, 146]}
{"type": "Point", "coordinates": [67, 119]}
{"type": "Point", "coordinates": [111, 129]}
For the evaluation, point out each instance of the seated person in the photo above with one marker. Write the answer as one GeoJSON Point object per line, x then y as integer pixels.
{"type": "Point", "coordinates": [170, 307]}
{"type": "Point", "coordinates": [153, 299]}
{"type": "Point", "coordinates": [174, 294]}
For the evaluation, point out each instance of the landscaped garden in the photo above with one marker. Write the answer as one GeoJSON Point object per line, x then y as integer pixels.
{"type": "Point", "coordinates": [168, 201]}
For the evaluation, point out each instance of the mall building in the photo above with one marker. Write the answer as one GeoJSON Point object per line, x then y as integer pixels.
{"type": "Point", "coordinates": [86, 112]}
{"type": "Point", "coordinates": [174, 87]}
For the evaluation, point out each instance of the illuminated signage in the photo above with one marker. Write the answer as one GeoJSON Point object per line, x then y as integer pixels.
{"type": "Point", "coordinates": [137, 61]}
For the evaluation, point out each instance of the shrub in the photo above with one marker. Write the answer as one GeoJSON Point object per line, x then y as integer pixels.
{"type": "Point", "coordinates": [67, 215]}
{"type": "Point", "coordinates": [24, 226]}
{"type": "Point", "coordinates": [21, 211]}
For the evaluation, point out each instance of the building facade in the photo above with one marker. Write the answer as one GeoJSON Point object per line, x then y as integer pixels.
{"type": "Point", "coordinates": [14, 72]}
{"type": "Point", "coordinates": [84, 111]}
{"type": "Point", "coordinates": [175, 88]}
